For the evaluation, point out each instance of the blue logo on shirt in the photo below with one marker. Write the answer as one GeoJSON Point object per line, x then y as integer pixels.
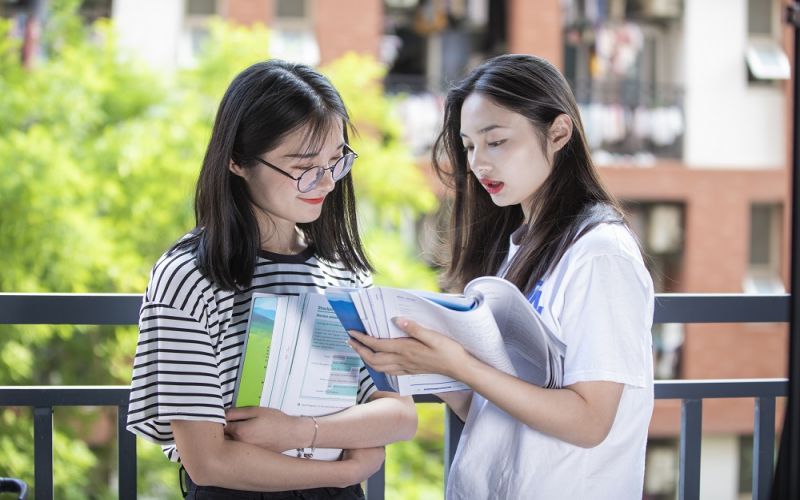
{"type": "Point", "coordinates": [535, 296]}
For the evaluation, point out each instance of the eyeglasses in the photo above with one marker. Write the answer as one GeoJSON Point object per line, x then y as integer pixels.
{"type": "Point", "coordinates": [311, 177]}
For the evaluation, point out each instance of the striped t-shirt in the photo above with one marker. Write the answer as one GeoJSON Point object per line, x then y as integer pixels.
{"type": "Point", "coordinates": [191, 335]}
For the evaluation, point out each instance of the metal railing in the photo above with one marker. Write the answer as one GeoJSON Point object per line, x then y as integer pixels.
{"type": "Point", "coordinates": [123, 309]}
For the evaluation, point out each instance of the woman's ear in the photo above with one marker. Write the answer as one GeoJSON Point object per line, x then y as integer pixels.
{"type": "Point", "coordinates": [559, 133]}
{"type": "Point", "coordinates": [236, 169]}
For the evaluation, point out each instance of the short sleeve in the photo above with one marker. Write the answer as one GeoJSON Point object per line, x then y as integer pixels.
{"type": "Point", "coordinates": [175, 374]}
{"type": "Point", "coordinates": [366, 387]}
{"type": "Point", "coordinates": [363, 280]}
{"type": "Point", "coordinates": [606, 321]}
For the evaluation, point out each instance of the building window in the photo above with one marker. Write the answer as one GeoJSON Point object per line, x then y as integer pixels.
{"type": "Point", "coordinates": [661, 469]}
{"type": "Point", "coordinates": [660, 229]}
{"type": "Point", "coordinates": [746, 465]}
{"type": "Point", "coordinates": [765, 59]}
{"type": "Point", "coordinates": [763, 273]}
{"type": "Point", "coordinates": [760, 17]}
{"type": "Point", "coordinates": [293, 35]}
{"type": "Point", "coordinates": [195, 31]}
{"type": "Point", "coordinates": [202, 8]}
{"type": "Point", "coordinates": [291, 9]}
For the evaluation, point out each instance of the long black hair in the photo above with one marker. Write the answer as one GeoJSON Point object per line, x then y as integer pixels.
{"type": "Point", "coordinates": [571, 201]}
{"type": "Point", "coordinates": [263, 104]}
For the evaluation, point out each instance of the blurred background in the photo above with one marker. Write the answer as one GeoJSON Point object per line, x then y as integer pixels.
{"type": "Point", "coordinates": [106, 108]}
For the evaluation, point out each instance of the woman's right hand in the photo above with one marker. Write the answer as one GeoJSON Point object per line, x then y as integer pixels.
{"type": "Point", "coordinates": [364, 462]}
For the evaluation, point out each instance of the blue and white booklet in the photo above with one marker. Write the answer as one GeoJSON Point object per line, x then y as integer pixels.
{"type": "Point", "coordinates": [492, 320]}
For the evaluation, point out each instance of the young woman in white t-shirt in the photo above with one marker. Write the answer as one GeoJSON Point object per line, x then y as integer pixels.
{"type": "Point", "coordinates": [529, 206]}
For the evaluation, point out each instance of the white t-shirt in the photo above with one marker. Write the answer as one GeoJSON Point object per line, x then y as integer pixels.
{"type": "Point", "coordinates": [599, 301]}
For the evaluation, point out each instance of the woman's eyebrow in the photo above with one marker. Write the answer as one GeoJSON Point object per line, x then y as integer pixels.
{"type": "Point", "coordinates": [310, 154]}
{"type": "Point", "coordinates": [483, 130]}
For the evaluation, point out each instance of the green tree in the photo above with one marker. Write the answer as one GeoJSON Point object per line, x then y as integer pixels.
{"type": "Point", "coordinates": [98, 159]}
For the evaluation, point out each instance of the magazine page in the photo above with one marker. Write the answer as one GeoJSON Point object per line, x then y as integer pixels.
{"type": "Point", "coordinates": [474, 329]}
{"type": "Point", "coordinates": [287, 320]}
{"type": "Point", "coordinates": [323, 378]}
{"type": "Point", "coordinates": [522, 329]}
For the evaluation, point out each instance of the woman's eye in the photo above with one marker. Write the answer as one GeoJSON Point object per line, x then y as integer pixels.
{"type": "Point", "coordinates": [497, 143]}
{"type": "Point", "coordinates": [468, 147]}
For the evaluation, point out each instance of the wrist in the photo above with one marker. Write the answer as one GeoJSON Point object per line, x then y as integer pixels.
{"type": "Point", "coordinates": [303, 431]}
{"type": "Point", "coordinates": [308, 443]}
{"type": "Point", "coordinates": [465, 368]}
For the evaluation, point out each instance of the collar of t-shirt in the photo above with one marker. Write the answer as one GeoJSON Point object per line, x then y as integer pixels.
{"type": "Point", "coordinates": [513, 247]}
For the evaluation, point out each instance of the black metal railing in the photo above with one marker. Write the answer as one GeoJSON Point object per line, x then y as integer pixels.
{"type": "Point", "coordinates": [122, 309]}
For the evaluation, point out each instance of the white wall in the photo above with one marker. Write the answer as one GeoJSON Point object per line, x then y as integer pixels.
{"type": "Point", "coordinates": [729, 124]}
{"type": "Point", "coordinates": [719, 468]}
{"type": "Point", "coordinates": [150, 29]}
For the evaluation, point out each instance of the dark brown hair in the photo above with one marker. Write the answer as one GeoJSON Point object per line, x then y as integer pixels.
{"type": "Point", "coordinates": [571, 201]}
{"type": "Point", "coordinates": [263, 104]}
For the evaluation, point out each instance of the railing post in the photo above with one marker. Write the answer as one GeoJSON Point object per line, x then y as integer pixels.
{"type": "Point", "coordinates": [43, 452]}
{"type": "Point", "coordinates": [452, 433]}
{"type": "Point", "coordinates": [126, 461]}
{"type": "Point", "coordinates": [691, 434]}
{"type": "Point", "coordinates": [763, 447]}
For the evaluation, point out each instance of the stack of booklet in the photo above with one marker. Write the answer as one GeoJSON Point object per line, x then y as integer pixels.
{"type": "Point", "coordinates": [296, 358]}
{"type": "Point", "coordinates": [492, 320]}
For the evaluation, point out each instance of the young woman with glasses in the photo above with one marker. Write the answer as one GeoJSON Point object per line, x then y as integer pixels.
{"type": "Point", "coordinates": [275, 213]}
{"type": "Point", "coordinates": [529, 206]}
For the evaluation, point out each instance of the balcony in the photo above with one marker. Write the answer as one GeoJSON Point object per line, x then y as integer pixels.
{"type": "Point", "coordinates": [631, 122]}
{"type": "Point", "coordinates": [120, 309]}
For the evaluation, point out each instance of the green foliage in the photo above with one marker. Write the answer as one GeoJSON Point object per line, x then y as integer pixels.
{"type": "Point", "coordinates": [98, 159]}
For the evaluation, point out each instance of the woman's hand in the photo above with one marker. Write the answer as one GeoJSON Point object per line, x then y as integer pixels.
{"type": "Point", "coordinates": [424, 351]}
{"type": "Point", "coordinates": [268, 428]}
{"type": "Point", "coordinates": [365, 462]}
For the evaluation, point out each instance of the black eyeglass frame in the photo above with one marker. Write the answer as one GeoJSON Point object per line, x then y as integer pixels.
{"type": "Point", "coordinates": [319, 169]}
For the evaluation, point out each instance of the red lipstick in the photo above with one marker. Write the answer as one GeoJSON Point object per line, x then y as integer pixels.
{"type": "Point", "coordinates": [493, 187]}
{"type": "Point", "coordinates": [313, 201]}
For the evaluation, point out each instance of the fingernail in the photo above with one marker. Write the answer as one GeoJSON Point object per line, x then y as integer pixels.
{"type": "Point", "coordinates": [401, 322]}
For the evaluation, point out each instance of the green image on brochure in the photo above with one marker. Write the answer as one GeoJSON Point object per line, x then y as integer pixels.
{"type": "Point", "coordinates": [296, 359]}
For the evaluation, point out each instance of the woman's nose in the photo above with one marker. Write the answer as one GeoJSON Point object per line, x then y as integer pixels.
{"type": "Point", "coordinates": [326, 181]}
{"type": "Point", "coordinates": [478, 161]}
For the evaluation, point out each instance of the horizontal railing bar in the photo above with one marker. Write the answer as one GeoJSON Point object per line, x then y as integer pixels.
{"type": "Point", "coordinates": [721, 308]}
{"type": "Point", "coordinates": [123, 309]}
{"type": "Point", "coordinates": [69, 309]}
{"type": "Point", "coordinates": [77, 395]}
{"type": "Point", "coordinates": [725, 388]}
{"type": "Point", "coordinates": [117, 395]}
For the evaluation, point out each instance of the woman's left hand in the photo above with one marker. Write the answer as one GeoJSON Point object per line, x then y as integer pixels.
{"type": "Point", "coordinates": [268, 428]}
{"type": "Point", "coordinates": [424, 351]}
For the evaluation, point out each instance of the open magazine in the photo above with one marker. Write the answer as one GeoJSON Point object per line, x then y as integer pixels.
{"type": "Point", "coordinates": [296, 359]}
{"type": "Point", "coordinates": [492, 320]}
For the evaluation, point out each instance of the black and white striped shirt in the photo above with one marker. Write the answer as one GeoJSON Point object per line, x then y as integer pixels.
{"type": "Point", "coordinates": [191, 334]}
